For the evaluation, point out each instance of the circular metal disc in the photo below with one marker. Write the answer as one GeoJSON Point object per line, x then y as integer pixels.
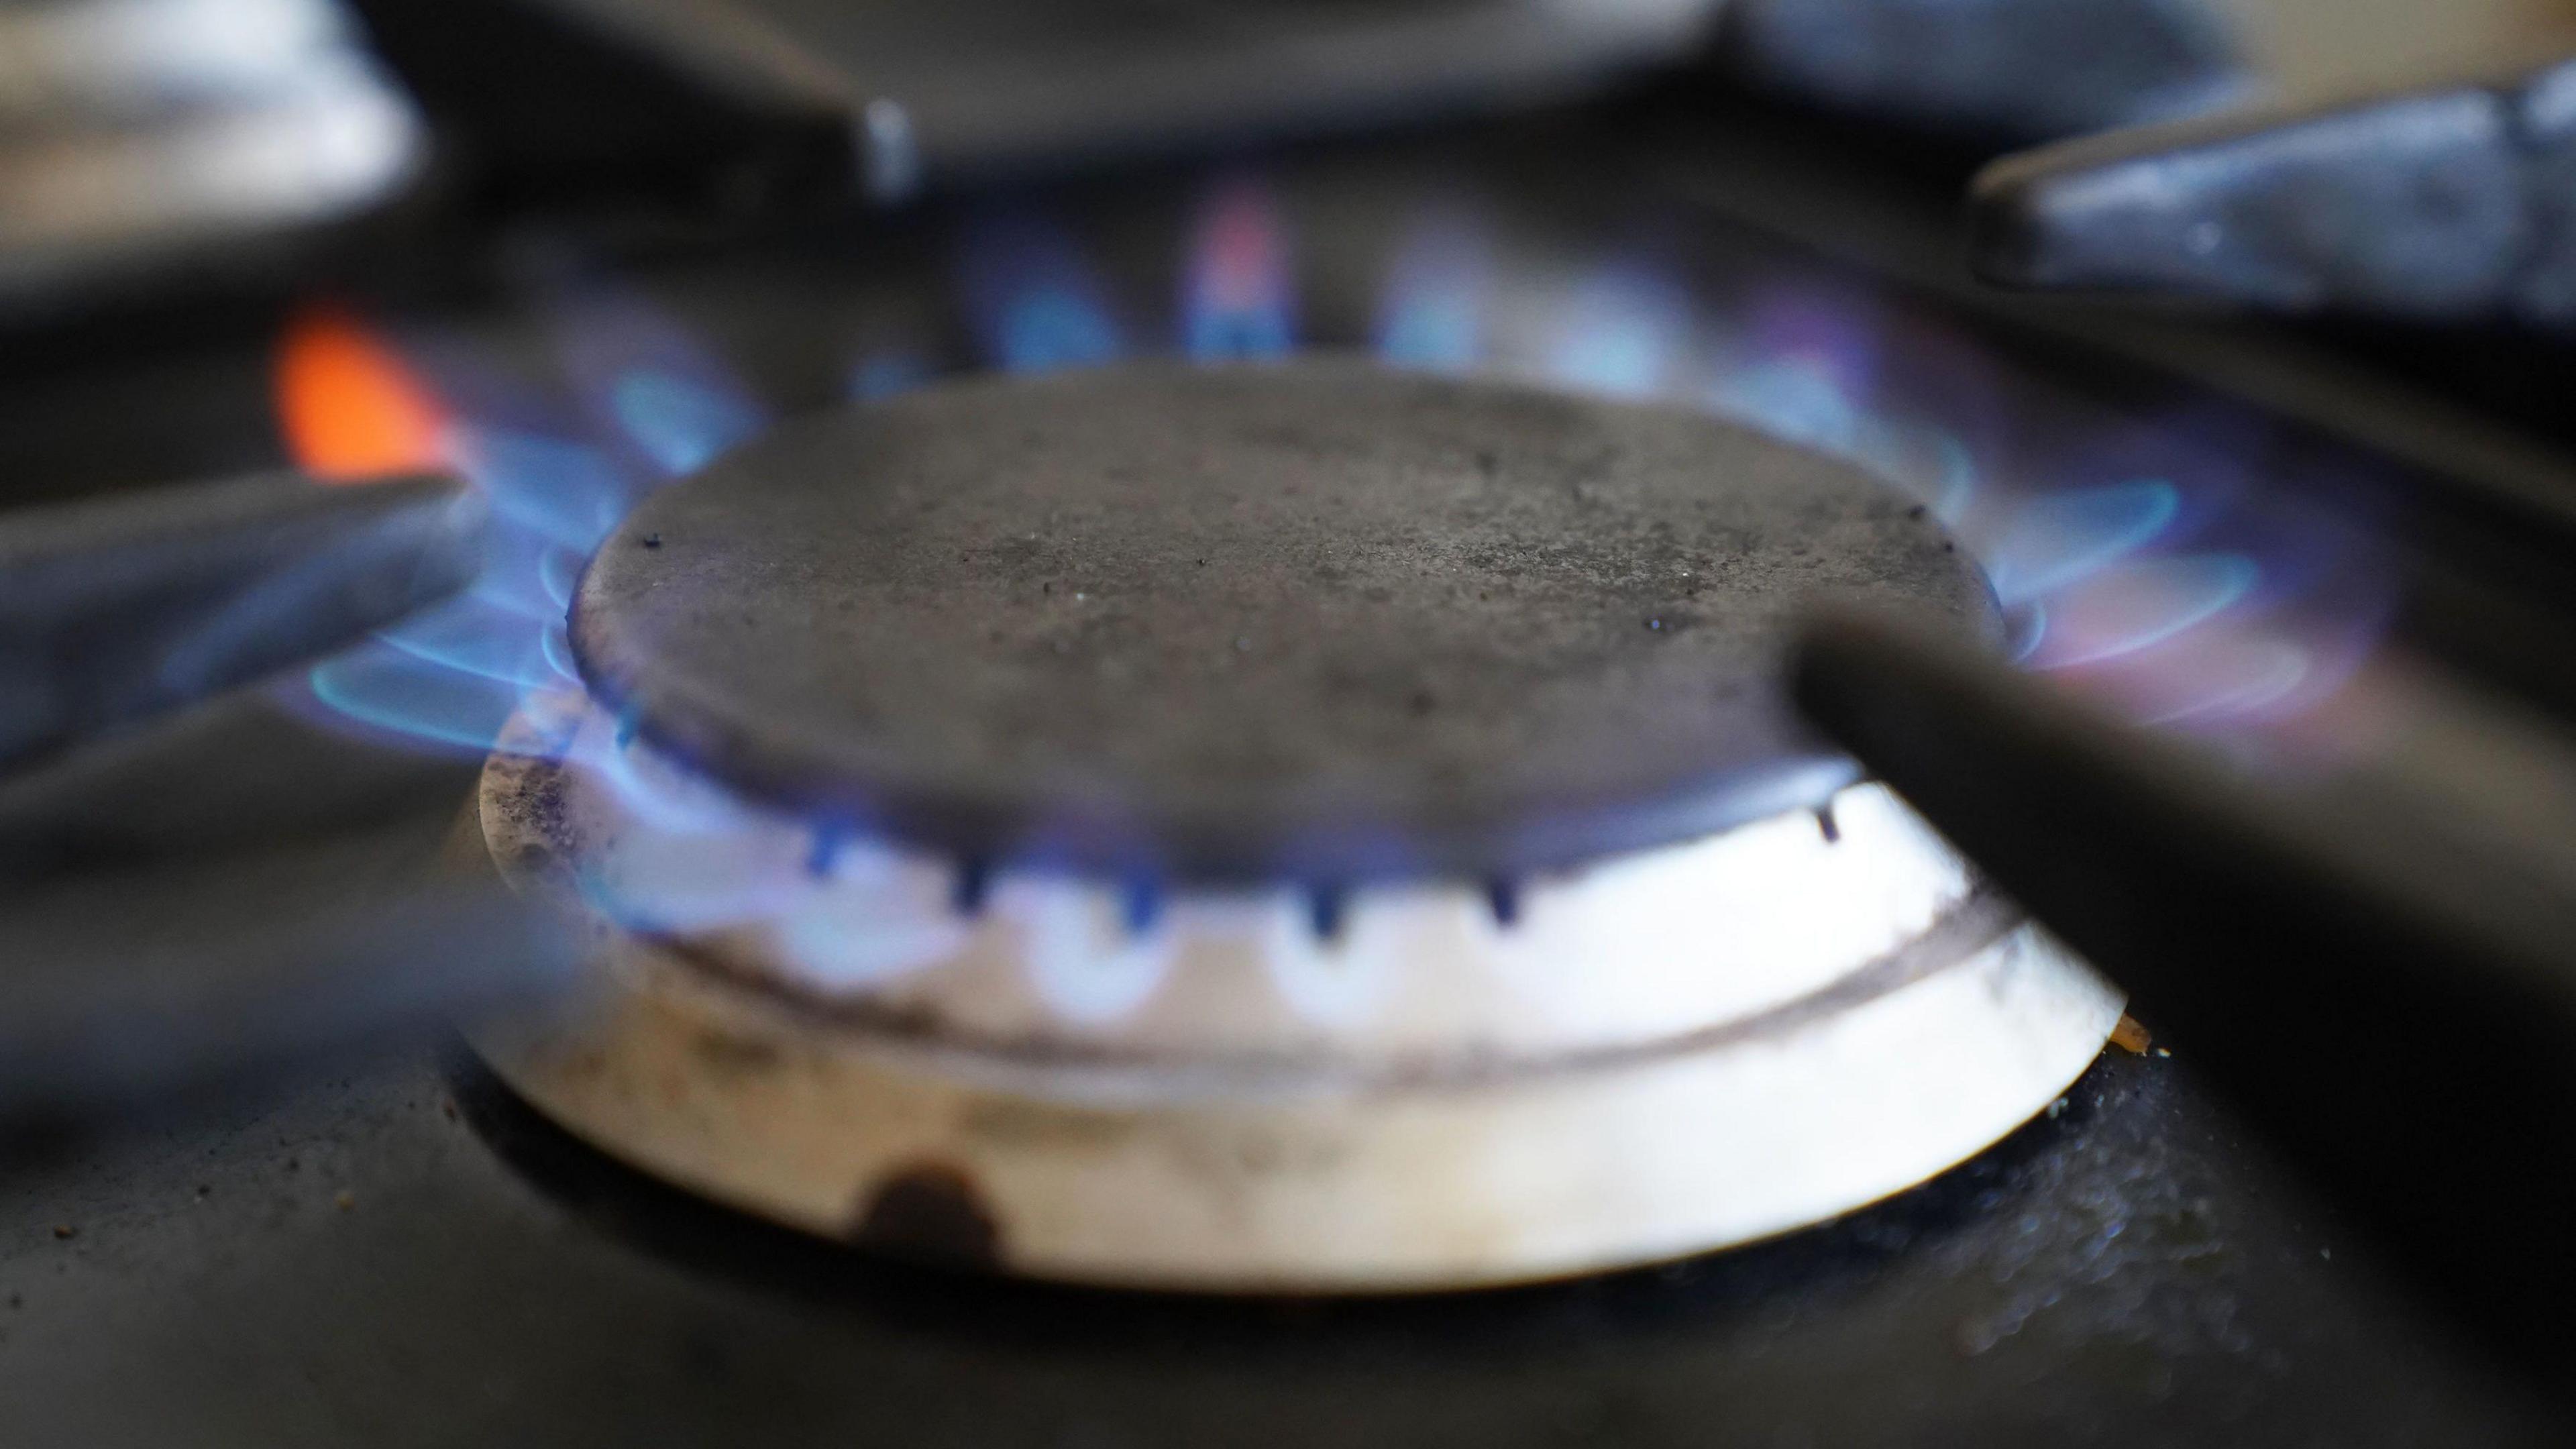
{"type": "Point", "coordinates": [1321, 619]}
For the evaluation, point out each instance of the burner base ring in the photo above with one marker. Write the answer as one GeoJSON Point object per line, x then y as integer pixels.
{"type": "Point", "coordinates": [1376, 1190]}
{"type": "Point", "coordinates": [1322, 1181]}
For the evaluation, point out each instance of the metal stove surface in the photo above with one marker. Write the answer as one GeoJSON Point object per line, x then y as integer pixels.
{"type": "Point", "coordinates": [408, 1257]}
{"type": "Point", "coordinates": [2128, 1271]}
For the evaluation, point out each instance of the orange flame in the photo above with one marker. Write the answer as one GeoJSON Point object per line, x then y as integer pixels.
{"type": "Point", "coordinates": [349, 407]}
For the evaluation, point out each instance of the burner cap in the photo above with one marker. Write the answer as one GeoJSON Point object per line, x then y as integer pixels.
{"type": "Point", "coordinates": [1320, 619]}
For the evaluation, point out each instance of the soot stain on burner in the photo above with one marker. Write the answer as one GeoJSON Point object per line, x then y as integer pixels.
{"type": "Point", "coordinates": [729, 1055]}
{"type": "Point", "coordinates": [1150, 618]}
{"type": "Point", "coordinates": [930, 1212]}
{"type": "Point", "coordinates": [531, 798]}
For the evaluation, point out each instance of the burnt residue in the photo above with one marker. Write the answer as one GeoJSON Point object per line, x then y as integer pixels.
{"type": "Point", "coordinates": [524, 794]}
{"type": "Point", "coordinates": [730, 1055]}
{"type": "Point", "coordinates": [931, 1212]}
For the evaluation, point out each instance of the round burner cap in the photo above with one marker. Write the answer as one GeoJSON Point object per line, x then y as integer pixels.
{"type": "Point", "coordinates": [1319, 619]}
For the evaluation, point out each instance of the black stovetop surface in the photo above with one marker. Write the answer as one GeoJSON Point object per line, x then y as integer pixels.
{"type": "Point", "coordinates": [409, 1257]}
{"type": "Point", "coordinates": [406, 1256]}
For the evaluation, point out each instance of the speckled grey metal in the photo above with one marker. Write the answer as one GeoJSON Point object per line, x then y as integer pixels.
{"type": "Point", "coordinates": [1322, 619]}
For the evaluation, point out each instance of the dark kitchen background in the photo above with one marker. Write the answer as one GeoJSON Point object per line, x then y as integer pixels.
{"type": "Point", "coordinates": [2229, 338]}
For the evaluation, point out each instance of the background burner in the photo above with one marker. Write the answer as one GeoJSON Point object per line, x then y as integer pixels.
{"type": "Point", "coordinates": [1320, 617]}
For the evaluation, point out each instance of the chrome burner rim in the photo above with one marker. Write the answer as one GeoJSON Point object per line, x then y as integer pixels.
{"type": "Point", "coordinates": [1323, 1179]}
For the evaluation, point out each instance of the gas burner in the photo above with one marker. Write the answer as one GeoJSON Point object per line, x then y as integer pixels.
{"type": "Point", "coordinates": [1321, 620]}
{"type": "Point", "coordinates": [1297, 827]}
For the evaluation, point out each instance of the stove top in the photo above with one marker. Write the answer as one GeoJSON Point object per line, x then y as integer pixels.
{"type": "Point", "coordinates": [2129, 1269]}
{"type": "Point", "coordinates": [1305, 731]}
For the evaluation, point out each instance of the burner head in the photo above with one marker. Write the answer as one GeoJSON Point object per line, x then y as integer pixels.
{"type": "Point", "coordinates": [1319, 619]}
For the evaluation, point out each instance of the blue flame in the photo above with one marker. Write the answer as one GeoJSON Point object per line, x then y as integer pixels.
{"type": "Point", "coordinates": [1432, 314]}
{"type": "Point", "coordinates": [563, 492]}
{"type": "Point", "coordinates": [1626, 329]}
{"type": "Point", "coordinates": [476, 637]}
{"type": "Point", "coordinates": [1940, 473]}
{"type": "Point", "coordinates": [884, 952]}
{"type": "Point", "coordinates": [1033, 299]}
{"type": "Point", "coordinates": [525, 575]}
{"type": "Point", "coordinates": [1086, 964]}
{"type": "Point", "coordinates": [1052, 327]}
{"type": "Point", "coordinates": [882, 375]}
{"type": "Point", "coordinates": [2024, 628]}
{"type": "Point", "coordinates": [557, 571]}
{"type": "Point", "coordinates": [2229, 680]}
{"type": "Point", "coordinates": [2134, 606]}
{"type": "Point", "coordinates": [649, 384]}
{"type": "Point", "coordinates": [2059, 539]}
{"type": "Point", "coordinates": [2088, 574]}
{"type": "Point", "coordinates": [1792, 400]}
{"type": "Point", "coordinates": [385, 687]}
{"type": "Point", "coordinates": [1798, 401]}
{"type": "Point", "coordinates": [451, 676]}
{"type": "Point", "coordinates": [681, 425]}
{"type": "Point", "coordinates": [1332, 977]}
{"type": "Point", "coordinates": [671, 800]}
{"type": "Point", "coordinates": [556, 643]}
{"type": "Point", "coordinates": [1235, 302]}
